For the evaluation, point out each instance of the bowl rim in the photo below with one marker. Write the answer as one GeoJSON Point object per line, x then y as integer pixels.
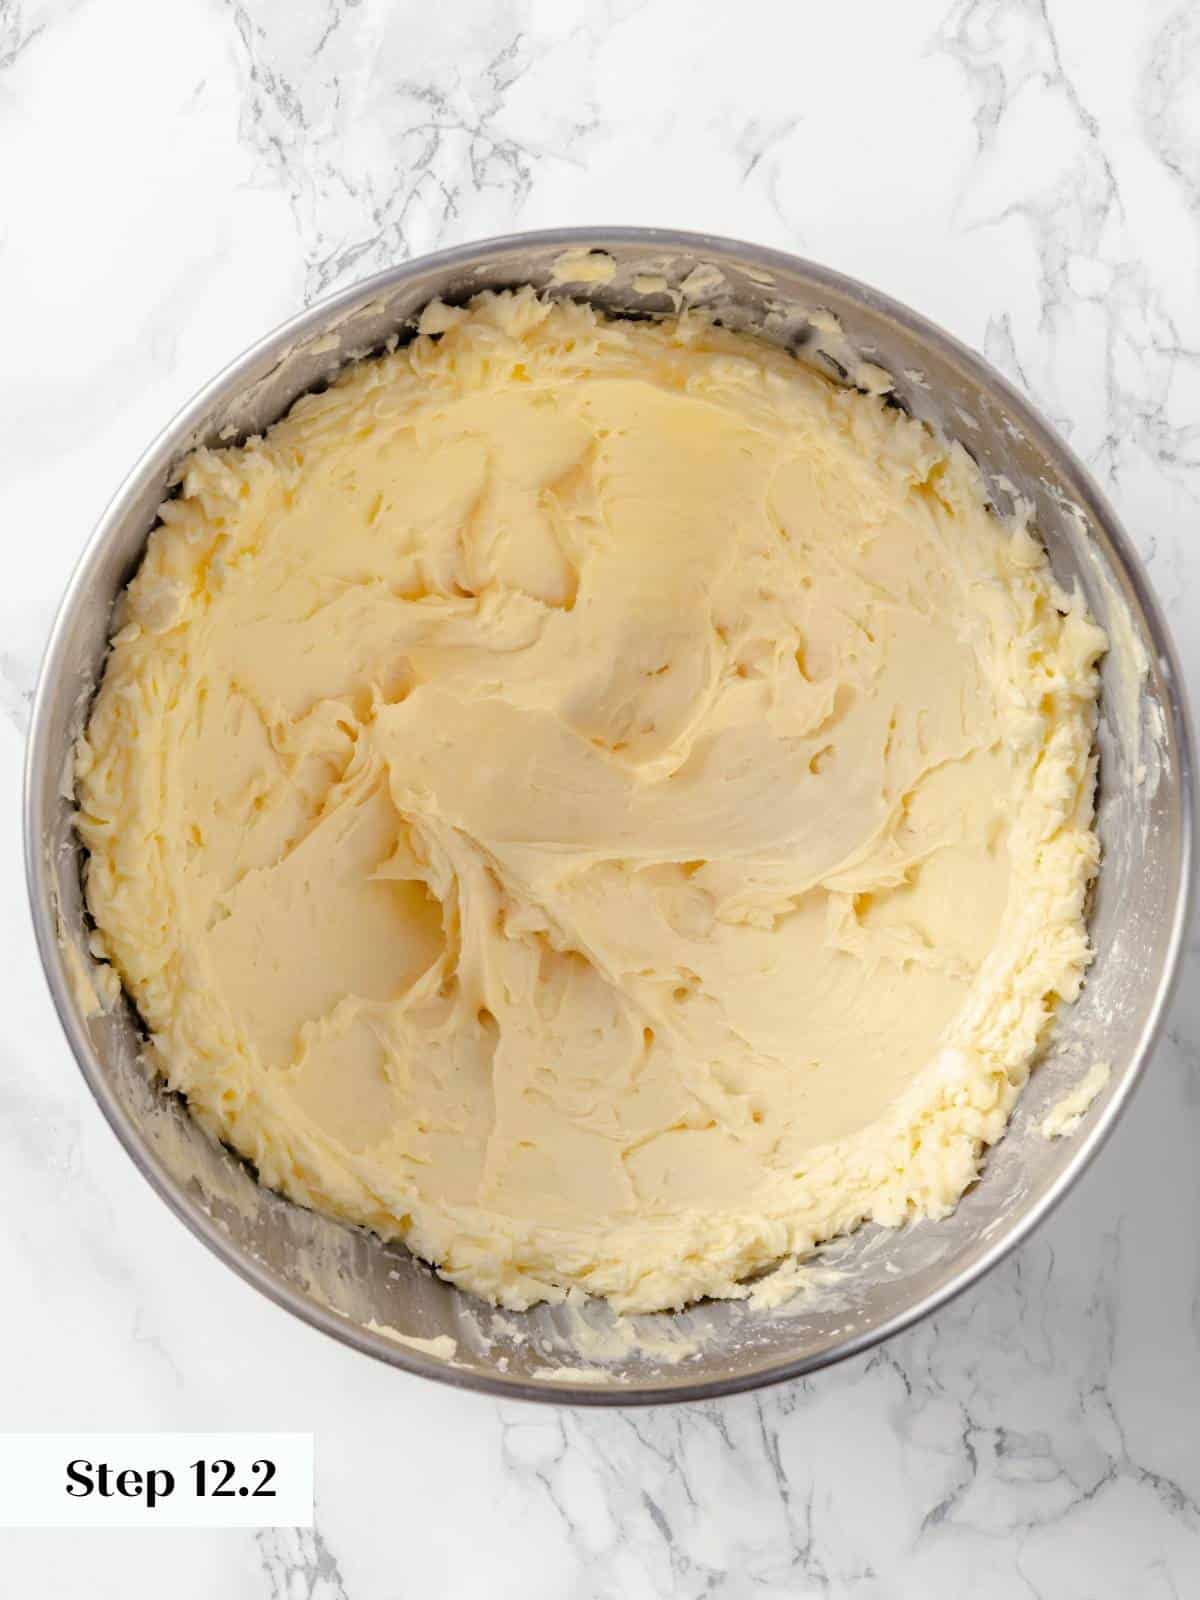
{"type": "Point", "coordinates": [169, 443]}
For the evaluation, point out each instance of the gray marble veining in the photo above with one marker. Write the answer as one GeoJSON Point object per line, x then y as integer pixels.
{"type": "Point", "coordinates": [1026, 172]}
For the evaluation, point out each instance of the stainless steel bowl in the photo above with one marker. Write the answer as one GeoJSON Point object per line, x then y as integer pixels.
{"type": "Point", "coordinates": [376, 1296]}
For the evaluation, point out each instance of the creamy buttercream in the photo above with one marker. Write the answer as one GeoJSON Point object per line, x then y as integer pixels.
{"type": "Point", "coordinates": [596, 801]}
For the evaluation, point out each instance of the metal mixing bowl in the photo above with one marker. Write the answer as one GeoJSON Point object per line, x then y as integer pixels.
{"type": "Point", "coordinates": [376, 1296]}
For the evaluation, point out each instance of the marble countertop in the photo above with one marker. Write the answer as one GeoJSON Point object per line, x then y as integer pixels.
{"type": "Point", "coordinates": [178, 178]}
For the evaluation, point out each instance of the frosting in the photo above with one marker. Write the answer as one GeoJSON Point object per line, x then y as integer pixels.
{"type": "Point", "coordinates": [441, 1345]}
{"type": "Point", "coordinates": [1066, 1114]}
{"type": "Point", "coordinates": [583, 266]}
{"type": "Point", "coordinates": [597, 801]}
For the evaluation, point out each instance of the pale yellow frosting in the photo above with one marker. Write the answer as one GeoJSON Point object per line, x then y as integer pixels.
{"type": "Point", "coordinates": [1066, 1114]}
{"type": "Point", "coordinates": [597, 801]}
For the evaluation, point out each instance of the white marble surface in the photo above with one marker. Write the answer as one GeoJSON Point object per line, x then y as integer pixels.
{"type": "Point", "coordinates": [175, 178]}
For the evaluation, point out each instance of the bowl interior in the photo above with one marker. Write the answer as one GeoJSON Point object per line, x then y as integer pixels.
{"type": "Point", "coordinates": [377, 1296]}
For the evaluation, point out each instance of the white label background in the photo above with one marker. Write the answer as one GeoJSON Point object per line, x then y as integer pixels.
{"type": "Point", "coordinates": [33, 1480]}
